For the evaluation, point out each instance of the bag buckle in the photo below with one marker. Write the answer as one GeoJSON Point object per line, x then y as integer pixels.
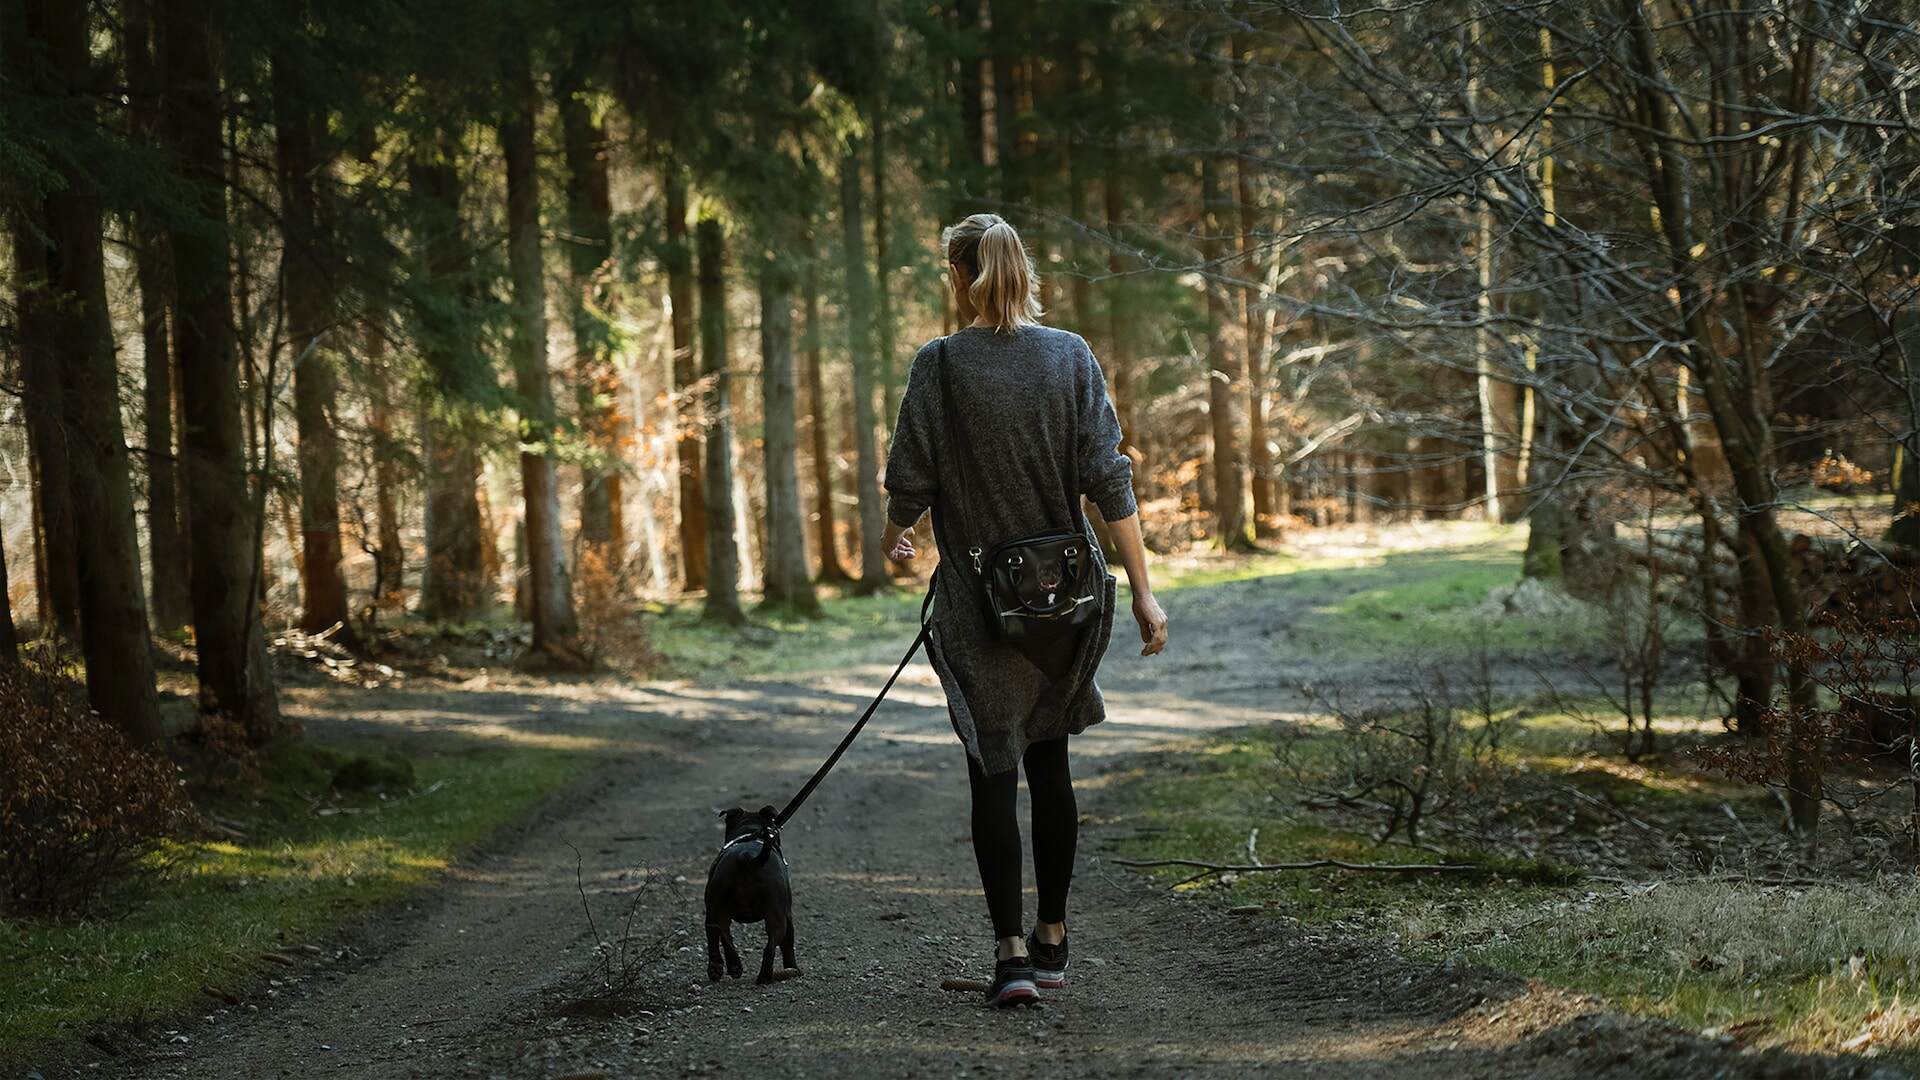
{"type": "Point", "coordinates": [974, 553]}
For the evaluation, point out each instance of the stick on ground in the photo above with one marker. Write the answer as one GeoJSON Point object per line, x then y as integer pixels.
{"type": "Point", "coordinates": [1316, 864]}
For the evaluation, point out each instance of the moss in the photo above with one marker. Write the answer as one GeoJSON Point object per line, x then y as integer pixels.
{"type": "Point", "coordinates": [382, 772]}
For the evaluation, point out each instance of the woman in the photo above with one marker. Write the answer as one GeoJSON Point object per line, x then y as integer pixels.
{"type": "Point", "coordinates": [1032, 426]}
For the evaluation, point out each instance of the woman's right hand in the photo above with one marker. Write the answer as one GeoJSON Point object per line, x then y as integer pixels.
{"type": "Point", "coordinates": [1153, 623]}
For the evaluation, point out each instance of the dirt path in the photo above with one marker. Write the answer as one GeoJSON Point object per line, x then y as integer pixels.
{"type": "Point", "coordinates": [477, 978]}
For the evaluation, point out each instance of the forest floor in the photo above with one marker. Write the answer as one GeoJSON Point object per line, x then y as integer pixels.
{"type": "Point", "coordinates": [496, 972]}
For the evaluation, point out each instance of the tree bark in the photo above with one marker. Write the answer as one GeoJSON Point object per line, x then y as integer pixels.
{"type": "Point", "coordinates": [1483, 338]}
{"type": "Point", "coordinates": [231, 649]}
{"type": "Point", "coordinates": [596, 382]}
{"type": "Point", "coordinates": [818, 412]}
{"type": "Point", "coordinates": [48, 52]}
{"type": "Point", "coordinates": [723, 552]}
{"type": "Point", "coordinates": [1906, 496]}
{"type": "Point", "coordinates": [311, 312]}
{"type": "Point", "coordinates": [454, 580]}
{"type": "Point", "coordinates": [389, 553]}
{"type": "Point", "coordinates": [1548, 524]}
{"type": "Point", "coordinates": [787, 581]}
{"type": "Point", "coordinates": [874, 575]}
{"type": "Point", "coordinates": [555, 628]}
{"type": "Point", "coordinates": [690, 454]}
{"type": "Point", "coordinates": [36, 323]}
{"type": "Point", "coordinates": [1003, 48]}
{"type": "Point", "coordinates": [171, 607]}
{"type": "Point", "coordinates": [9, 637]}
{"type": "Point", "coordinates": [882, 262]}
{"type": "Point", "coordinates": [1256, 320]}
{"type": "Point", "coordinates": [1225, 376]}
{"type": "Point", "coordinates": [970, 168]}
{"type": "Point", "coordinates": [1119, 330]}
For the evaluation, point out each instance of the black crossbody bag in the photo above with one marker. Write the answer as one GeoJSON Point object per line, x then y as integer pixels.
{"type": "Point", "coordinates": [1035, 587]}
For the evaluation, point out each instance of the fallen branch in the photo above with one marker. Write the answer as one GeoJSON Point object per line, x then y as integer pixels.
{"type": "Point", "coordinates": [1316, 864]}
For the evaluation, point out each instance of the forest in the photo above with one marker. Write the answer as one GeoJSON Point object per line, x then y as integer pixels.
{"type": "Point", "coordinates": [428, 349]}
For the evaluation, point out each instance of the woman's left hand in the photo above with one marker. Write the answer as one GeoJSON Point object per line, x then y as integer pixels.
{"type": "Point", "coordinates": [899, 544]}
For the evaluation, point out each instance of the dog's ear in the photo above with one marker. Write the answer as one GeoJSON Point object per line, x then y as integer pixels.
{"type": "Point", "coordinates": [769, 813]}
{"type": "Point", "coordinates": [733, 817]}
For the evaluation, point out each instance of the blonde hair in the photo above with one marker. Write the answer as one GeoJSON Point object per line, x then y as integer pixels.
{"type": "Point", "coordinates": [1002, 284]}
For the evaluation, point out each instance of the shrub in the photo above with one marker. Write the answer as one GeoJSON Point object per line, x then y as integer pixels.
{"type": "Point", "coordinates": [1430, 753]}
{"type": "Point", "coordinates": [611, 631]}
{"type": "Point", "coordinates": [83, 813]}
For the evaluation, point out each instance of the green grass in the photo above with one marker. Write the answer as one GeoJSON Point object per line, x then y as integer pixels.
{"type": "Point", "coordinates": [1705, 954]}
{"type": "Point", "coordinates": [294, 877]}
{"type": "Point", "coordinates": [1429, 603]}
{"type": "Point", "coordinates": [779, 642]}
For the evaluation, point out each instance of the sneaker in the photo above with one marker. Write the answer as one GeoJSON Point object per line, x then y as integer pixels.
{"type": "Point", "coordinates": [1012, 984]}
{"type": "Point", "coordinates": [1049, 963]}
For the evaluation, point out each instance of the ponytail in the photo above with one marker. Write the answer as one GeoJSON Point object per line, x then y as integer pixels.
{"type": "Point", "coordinates": [1004, 288]}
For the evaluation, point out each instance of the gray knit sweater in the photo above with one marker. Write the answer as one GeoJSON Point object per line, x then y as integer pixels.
{"type": "Point", "coordinates": [1036, 424]}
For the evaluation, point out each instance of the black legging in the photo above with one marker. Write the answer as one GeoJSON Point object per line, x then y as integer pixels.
{"type": "Point", "coordinates": [996, 835]}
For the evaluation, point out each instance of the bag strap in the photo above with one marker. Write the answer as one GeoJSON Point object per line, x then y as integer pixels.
{"type": "Point", "coordinates": [947, 413]}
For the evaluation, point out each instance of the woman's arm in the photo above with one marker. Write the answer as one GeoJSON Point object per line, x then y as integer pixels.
{"type": "Point", "coordinates": [1146, 610]}
{"type": "Point", "coordinates": [912, 478]}
{"type": "Point", "coordinates": [1106, 475]}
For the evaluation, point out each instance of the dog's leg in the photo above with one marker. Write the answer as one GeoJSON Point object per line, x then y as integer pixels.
{"type": "Point", "coordinates": [714, 930]}
{"type": "Point", "coordinates": [786, 948]}
{"type": "Point", "coordinates": [776, 933]}
{"type": "Point", "coordinates": [734, 967]}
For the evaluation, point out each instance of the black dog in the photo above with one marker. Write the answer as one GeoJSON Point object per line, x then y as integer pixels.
{"type": "Point", "coordinates": [748, 883]}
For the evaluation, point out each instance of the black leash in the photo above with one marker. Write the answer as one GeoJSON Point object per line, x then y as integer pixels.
{"type": "Point", "coordinates": [833, 759]}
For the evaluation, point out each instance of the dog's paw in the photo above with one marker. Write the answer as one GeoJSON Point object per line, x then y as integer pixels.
{"type": "Point", "coordinates": [763, 979]}
{"type": "Point", "coordinates": [714, 973]}
{"type": "Point", "coordinates": [735, 970]}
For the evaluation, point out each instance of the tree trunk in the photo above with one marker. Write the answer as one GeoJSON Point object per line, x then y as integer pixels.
{"type": "Point", "coordinates": [1483, 339]}
{"type": "Point", "coordinates": [1906, 496]}
{"type": "Point", "coordinates": [970, 168]}
{"type": "Point", "coordinates": [1256, 320]}
{"type": "Point", "coordinates": [36, 323]}
{"type": "Point", "coordinates": [883, 265]}
{"type": "Point", "coordinates": [9, 637]}
{"type": "Point", "coordinates": [231, 654]}
{"type": "Point", "coordinates": [454, 581]}
{"type": "Point", "coordinates": [311, 314]}
{"type": "Point", "coordinates": [1225, 377]}
{"type": "Point", "coordinates": [555, 629]}
{"type": "Point", "coordinates": [818, 411]}
{"type": "Point", "coordinates": [1003, 47]}
{"type": "Point", "coordinates": [389, 554]}
{"type": "Point", "coordinates": [590, 303]}
{"type": "Point", "coordinates": [874, 575]}
{"type": "Point", "coordinates": [1548, 524]}
{"type": "Point", "coordinates": [1752, 661]}
{"type": "Point", "coordinates": [171, 606]}
{"type": "Point", "coordinates": [1739, 410]}
{"type": "Point", "coordinates": [693, 504]}
{"type": "Point", "coordinates": [723, 551]}
{"type": "Point", "coordinates": [787, 581]}
{"type": "Point", "coordinates": [48, 53]}
{"type": "Point", "coordinates": [1119, 336]}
